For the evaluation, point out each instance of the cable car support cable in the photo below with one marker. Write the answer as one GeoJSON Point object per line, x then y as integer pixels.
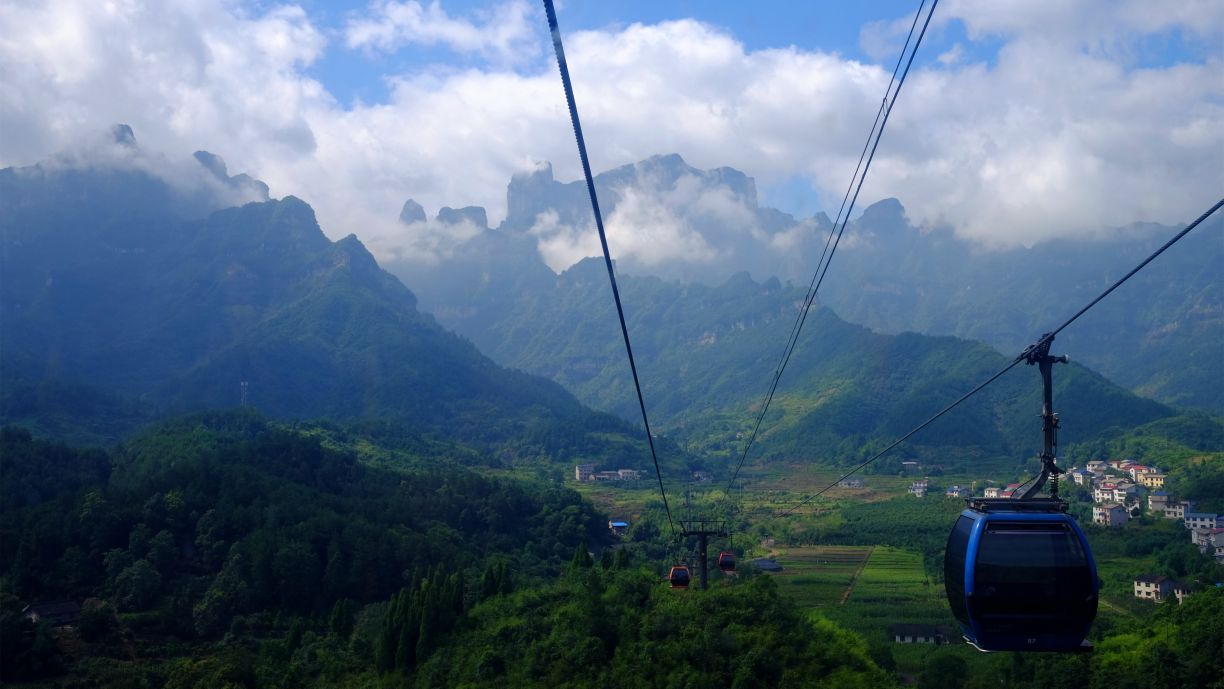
{"type": "Point", "coordinates": [835, 235]}
{"type": "Point", "coordinates": [603, 240]}
{"type": "Point", "coordinates": [1029, 355]}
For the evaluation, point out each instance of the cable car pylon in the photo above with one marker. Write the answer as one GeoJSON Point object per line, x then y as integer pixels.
{"type": "Point", "coordinates": [703, 529]}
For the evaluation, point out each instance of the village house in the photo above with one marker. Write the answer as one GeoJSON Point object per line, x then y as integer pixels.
{"type": "Point", "coordinates": [850, 483]}
{"type": "Point", "coordinates": [1082, 477]}
{"type": "Point", "coordinates": [1207, 539]}
{"type": "Point", "coordinates": [919, 488]}
{"type": "Point", "coordinates": [1111, 515]}
{"type": "Point", "coordinates": [916, 634]}
{"type": "Point", "coordinates": [1104, 493]}
{"type": "Point", "coordinates": [1177, 510]}
{"type": "Point", "coordinates": [618, 527]}
{"type": "Point", "coordinates": [1157, 501]}
{"type": "Point", "coordinates": [1096, 466]}
{"type": "Point", "coordinates": [1138, 470]}
{"type": "Point", "coordinates": [1180, 591]}
{"type": "Point", "coordinates": [957, 492]}
{"type": "Point", "coordinates": [586, 472]}
{"type": "Point", "coordinates": [910, 467]}
{"type": "Point", "coordinates": [991, 492]}
{"type": "Point", "coordinates": [1154, 587]}
{"type": "Point", "coordinates": [1201, 520]}
{"type": "Point", "coordinates": [1152, 480]}
{"type": "Point", "coordinates": [1123, 492]}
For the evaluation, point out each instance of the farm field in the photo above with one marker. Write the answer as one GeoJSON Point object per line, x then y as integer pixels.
{"type": "Point", "coordinates": [819, 576]}
{"type": "Point", "coordinates": [892, 589]}
{"type": "Point", "coordinates": [868, 588]}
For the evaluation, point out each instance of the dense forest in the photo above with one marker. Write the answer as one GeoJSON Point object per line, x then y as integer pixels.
{"type": "Point", "coordinates": [229, 550]}
{"type": "Point", "coordinates": [207, 519]}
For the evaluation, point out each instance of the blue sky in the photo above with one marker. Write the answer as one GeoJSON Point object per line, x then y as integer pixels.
{"type": "Point", "coordinates": [1023, 119]}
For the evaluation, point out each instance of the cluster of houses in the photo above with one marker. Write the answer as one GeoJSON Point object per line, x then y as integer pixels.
{"type": "Point", "coordinates": [1119, 486]}
{"type": "Point", "coordinates": [586, 472]}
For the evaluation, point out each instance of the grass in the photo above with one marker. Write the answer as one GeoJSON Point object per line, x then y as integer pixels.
{"type": "Point", "coordinates": [819, 576]}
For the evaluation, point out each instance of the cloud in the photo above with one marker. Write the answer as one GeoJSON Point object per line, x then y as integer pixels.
{"type": "Point", "coordinates": [1063, 131]}
{"type": "Point", "coordinates": [507, 33]}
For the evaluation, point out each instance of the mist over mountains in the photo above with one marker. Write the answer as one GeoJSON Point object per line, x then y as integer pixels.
{"type": "Point", "coordinates": [122, 300]}
{"type": "Point", "coordinates": [669, 220]}
{"type": "Point", "coordinates": [127, 297]}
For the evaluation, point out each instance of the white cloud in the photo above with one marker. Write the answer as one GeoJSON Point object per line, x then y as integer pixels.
{"type": "Point", "coordinates": [426, 242]}
{"type": "Point", "coordinates": [507, 33]}
{"type": "Point", "coordinates": [1060, 133]}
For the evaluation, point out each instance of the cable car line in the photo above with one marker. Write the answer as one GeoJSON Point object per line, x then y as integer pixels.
{"type": "Point", "coordinates": [822, 266]}
{"type": "Point", "coordinates": [1025, 356]}
{"type": "Point", "coordinates": [603, 240]}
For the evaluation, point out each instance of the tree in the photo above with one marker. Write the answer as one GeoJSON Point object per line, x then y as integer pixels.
{"type": "Point", "coordinates": [943, 671]}
{"type": "Point", "coordinates": [138, 586]}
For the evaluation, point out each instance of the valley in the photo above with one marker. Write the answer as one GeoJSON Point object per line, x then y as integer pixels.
{"type": "Point", "coordinates": [236, 452]}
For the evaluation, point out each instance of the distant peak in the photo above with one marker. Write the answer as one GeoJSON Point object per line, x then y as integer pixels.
{"type": "Point", "coordinates": [214, 164]}
{"type": "Point", "coordinates": [887, 216]}
{"type": "Point", "coordinates": [541, 172]}
{"type": "Point", "coordinates": [412, 212]}
{"type": "Point", "coordinates": [667, 160]}
{"type": "Point", "coordinates": [885, 208]}
{"type": "Point", "coordinates": [123, 135]}
{"type": "Point", "coordinates": [244, 183]}
{"type": "Point", "coordinates": [473, 214]}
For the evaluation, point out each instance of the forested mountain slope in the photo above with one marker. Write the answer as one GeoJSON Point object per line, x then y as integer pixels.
{"type": "Point", "coordinates": [706, 355]}
{"type": "Point", "coordinates": [122, 299]}
{"type": "Point", "coordinates": [1161, 336]}
{"type": "Point", "coordinates": [228, 522]}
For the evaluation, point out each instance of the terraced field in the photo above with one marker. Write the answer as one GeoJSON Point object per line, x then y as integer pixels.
{"type": "Point", "coordinates": [820, 576]}
{"type": "Point", "coordinates": [866, 588]}
{"type": "Point", "coordinates": [893, 588]}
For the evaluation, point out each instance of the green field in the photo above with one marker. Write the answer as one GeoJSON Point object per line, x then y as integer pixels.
{"type": "Point", "coordinates": [869, 588]}
{"type": "Point", "coordinates": [819, 576]}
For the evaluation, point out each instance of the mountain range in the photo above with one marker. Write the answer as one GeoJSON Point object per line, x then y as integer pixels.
{"type": "Point", "coordinates": [124, 299]}
{"type": "Point", "coordinates": [1161, 335]}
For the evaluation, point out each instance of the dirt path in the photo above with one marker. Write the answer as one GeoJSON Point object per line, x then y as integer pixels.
{"type": "Point", "coordinates": [854, 579]}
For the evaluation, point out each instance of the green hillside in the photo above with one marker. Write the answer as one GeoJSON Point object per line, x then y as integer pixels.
{"type": "Point", "coordinates": [122, 302]}
{"type": "Point", "coordinates": [706, 355]}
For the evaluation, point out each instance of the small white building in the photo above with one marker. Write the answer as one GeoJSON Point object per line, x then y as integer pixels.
{"type": "Point", "coordinates": [991, 492]}
{"type": "Point", "coordinates": [1201, 520]}
{"type": "Point", "coordinates": [1207, 539]}
{"type": "Point", "coordinates": [1096, 466]}
{"type": "Point", "coordinates": [584, 472]}
{"type": "Point", "coordinates": [1153, 587]}
{"type": "Point", "coordinates": [1104, 493]}
{"type": "Point", "coordinates": [1082, 477]}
